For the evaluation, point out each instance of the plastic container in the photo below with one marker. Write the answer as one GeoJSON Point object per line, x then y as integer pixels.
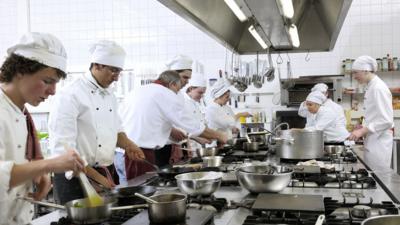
{"type": "Point", "coordinates": [395, 64]}
{"type": "Point", "coordinates": [385, 65]}
{"type": "Point", "coordinates": [379, 62]}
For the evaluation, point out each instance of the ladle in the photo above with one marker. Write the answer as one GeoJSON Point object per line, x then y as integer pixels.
{"type": "Point", "coordinates": [248, 138]}
{"type": "Point", "coordinates": [147, 199]}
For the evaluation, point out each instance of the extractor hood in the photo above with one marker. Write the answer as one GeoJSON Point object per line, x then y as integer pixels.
{"type": "Point", "coordinates": [318, 23]}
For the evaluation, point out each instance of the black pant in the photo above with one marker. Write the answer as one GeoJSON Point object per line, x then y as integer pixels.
{"type": "Point", "coordinates": [162, 155]}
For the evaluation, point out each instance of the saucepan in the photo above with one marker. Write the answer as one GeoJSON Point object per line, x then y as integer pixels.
{"type": "Point", "coordinates": [382, 220]}
{"type": "Point", "coordinates": [79, 212]}
{"type": "Point", "coordinates": [168, 208]}
{"type": "Point", "coordinates": [203, 152]}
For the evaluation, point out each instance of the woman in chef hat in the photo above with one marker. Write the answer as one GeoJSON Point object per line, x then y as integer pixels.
{"type": "Point", "coordinates": [325, 119]}
{"type": "Point", "coordinates": [378, 111]}
{"type": "Point", "coordinates": [28, 75]}
{"type": "Point", "coordinates": [219, 115]}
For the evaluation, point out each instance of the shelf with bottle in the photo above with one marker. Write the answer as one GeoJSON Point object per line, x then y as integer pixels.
{"type": "Point", "coordinates": [385, 64]}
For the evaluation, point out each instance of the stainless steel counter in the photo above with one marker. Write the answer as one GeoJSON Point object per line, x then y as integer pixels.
{"type": "Point", "coordinates": [387, 190]}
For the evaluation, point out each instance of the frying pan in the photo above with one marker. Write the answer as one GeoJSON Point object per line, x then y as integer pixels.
{"type": "Point", "coordinates": [126, 195]}
{"type": "Point", "coordinates": [170, 173]}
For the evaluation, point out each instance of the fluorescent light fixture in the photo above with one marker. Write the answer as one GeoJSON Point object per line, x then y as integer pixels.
{"type": "Point", "coordinates": [257, 36]}
{"type": "Point", "coordinates": [236, 10]}
{"type": "Point", "coordinates": [286, 8]}
{"type": "Point", "coordinates": [294, 36]}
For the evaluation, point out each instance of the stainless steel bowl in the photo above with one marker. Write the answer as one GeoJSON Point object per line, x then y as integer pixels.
{"type": "Point", "coordinates": [199, 183]}
{"type": "Point", "coordinates": [382, 220]}
{"type": "Point", "coordinates": [203, 152]}
{"type": "Point", "coordinates": [212, 161]}
{"type": "Point", "coordinates": [334, 149]}
{"type": "Point", "coordinates": [264, 178]}
{"type": "Point", "coordinates": [169, 209]}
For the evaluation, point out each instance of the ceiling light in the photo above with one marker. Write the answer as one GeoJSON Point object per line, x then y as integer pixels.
{"type": "Point", "coordinates": [257, 36]}
{"type": "Point", "coordinates": [286, 7]}
{"type": "Point", "coordinates": [294, 36]}
{"type": "Point", "coordinates": [236, 10]}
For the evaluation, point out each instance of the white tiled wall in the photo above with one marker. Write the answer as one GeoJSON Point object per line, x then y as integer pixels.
{"type": "Point", "coordinates": [152, 34]}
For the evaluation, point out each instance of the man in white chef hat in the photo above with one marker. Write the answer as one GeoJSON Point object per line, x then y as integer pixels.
{"type": "Point", "coordinates": [325, 118]}
{"type": "Point", "coordinates": [29, 74]}
{"type": "Point", "coordinates": [219, 115]}
{"type": "Point", "coordinates": [378, 113]}
{"type": "Point", "coordinates": [323, 88]}
{"type": "Point", "coordinates": [84, 116]}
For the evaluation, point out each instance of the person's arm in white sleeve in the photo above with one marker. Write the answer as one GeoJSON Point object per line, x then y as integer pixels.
{"type": "Point", "coordinates": [63, 123]}
{"type": "Point", "coordinates": [383, 108]}
{"type": "Point", "coordinates": [303, 111]}
{"type": "Point", "coordinates": [324, 119]}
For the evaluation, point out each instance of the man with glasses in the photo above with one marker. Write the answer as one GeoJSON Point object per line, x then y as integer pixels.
{"type": "Point", "coordinates": [85, 117]}
{"type": "Point", "coordinates": [378, 111]}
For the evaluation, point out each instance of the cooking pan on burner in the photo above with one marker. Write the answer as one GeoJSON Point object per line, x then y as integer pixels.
{"type": "Point", "coordinates": [170, 173]}
{"type": "Point", "coordinates": [126, 195]}
{"type": "Point", "coordinates": [79, 212]}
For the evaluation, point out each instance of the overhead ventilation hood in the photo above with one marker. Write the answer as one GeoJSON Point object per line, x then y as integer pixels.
{"type": "Point", "coordinates": [318, 23]}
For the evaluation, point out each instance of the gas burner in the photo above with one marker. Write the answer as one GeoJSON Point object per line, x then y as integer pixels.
{"type": "Point", "coordinates": [207, 203]}
{"type": "Point", "coordinates": [161, 182]}
{"type": "Point", "coordinates": [352, 179]}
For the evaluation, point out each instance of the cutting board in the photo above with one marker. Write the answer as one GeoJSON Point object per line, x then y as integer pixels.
{"type": "Point", "coordinates": [289, 202]}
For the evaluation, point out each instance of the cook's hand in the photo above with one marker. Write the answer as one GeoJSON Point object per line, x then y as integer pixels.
{"type": "Point", "coordinates": [43, 186]}
{"type": "Point", "coordinates": [235, 130]}
{"type": "Point", "coordinates": [134, 152]}
{"type": "Point", "coordinates": [222, 139]}
{"type": "Point", "coordinates": [93, 174]}
{"type": "Point", "coordinates": [244, 114]}
{"type": "Point", "coordinates": [67, 161]}
{"type": "Point", "coordinates": [357, 134]}
{"type": "Point", "coordinates": [177, 135]}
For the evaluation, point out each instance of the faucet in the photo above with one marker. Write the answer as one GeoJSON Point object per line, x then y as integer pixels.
{"type": "Point", "coordinates": [279, 125]}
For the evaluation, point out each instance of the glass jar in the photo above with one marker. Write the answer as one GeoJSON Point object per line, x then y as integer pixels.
{"type": "Point", "coordinates": [385, 65]}
{"type": "Point", "coordinates": [348, 65]}
{"type": "Point", "coordinates": [395, 64]}
{"type": "Point", "coordinates": [379, 62]}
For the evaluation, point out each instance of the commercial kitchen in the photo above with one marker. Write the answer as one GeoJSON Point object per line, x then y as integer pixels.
{"type": "Point", "coordinates": [268, 63]}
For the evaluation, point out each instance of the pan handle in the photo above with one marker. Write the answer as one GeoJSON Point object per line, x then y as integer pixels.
{"type": "Point", "coordinates": [49, 204]}
{"type": "Point", "coordinates": [129, 207]}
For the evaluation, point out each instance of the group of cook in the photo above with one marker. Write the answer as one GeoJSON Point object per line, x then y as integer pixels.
{"type": "Point", "coordinates": [322, 113]}
{"type": "Point", "coordinates": [88, 131]}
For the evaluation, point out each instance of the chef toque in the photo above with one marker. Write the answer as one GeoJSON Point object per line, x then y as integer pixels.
{"type": "Point", "coordinates": [107, 53]}
{"type": "Point", "coordinates": [316, 97]}
{"type": "Point", "coordinates": [43, 48]}
{"type": "Point", "coordinates": [197, 80]}
{"type": "Point", "coordinates": [321, 87]}
{"type": "Point", "coordinates": [219, 88]}
{"type": "Point", "coordinates": [180, 62]}
{"type": "Point", "coordinates": [366, 63]}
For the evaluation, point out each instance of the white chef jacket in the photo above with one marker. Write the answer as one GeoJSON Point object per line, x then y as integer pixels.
{"type": "Point", "coordinates": [192, 114]}
{"type": "Point", "coordinates": [303, 111]}
{"type": "Point", "coordinates": [13, 137]}
{"type": "Point", "coordinates": [379, 120]}
{"type": "Point", "coordinates": [84, 115]}
{"type": "Point", "coordinates": [328, 121]}
{"type": "Point", "coordinates": [220, 118]}
{"type": "Point", "coordinates": [150, 112]}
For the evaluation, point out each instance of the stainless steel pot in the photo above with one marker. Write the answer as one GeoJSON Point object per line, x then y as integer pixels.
{"type": "Point", "coordinates": [333, 149]}
{"type": "Point", "coordinates": [212, 161]}
{"type": "Point", "coordinates": [199, 183]}
{"type": "Point", "coordinates": [264, 178]}
{"type": "Point", "coordinates": [382, 220]}
{"type": "Point", "coordinates": [79, 213]}
{"type": "Point", "coordinates": [251, 147]}
{"type": "Point", "coordinates": [300, 144]}
{"type": "Point", "coordinates": [169, 209]}
{"type": "Point", "coordinates": [203, 152]}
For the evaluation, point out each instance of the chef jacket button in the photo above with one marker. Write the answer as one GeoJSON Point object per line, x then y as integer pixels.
{"type": "Point", "coordinates": [92, 92]}
{"type": "Point", "coordinates": [19, 146]}
{"type": "Point", "coordinates": [110, 110]}
{"type": "Point", "coordinates": [100, 146]}
{"type": "Point", "coordinates": [97, 108]}
{"type": "Point", "coordinates": [31, 211]}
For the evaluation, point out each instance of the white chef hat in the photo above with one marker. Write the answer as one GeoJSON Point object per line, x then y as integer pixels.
{"type": "Point", "coordinates": [43, 48]}
{"type": "Point", "coordinates": [365, 62]}
{"type": "Point", "coordinates": [107, 53]}
{"type": "Point", "coordinates": [197, 80]}
{"type": "Point", "coordinates": [180, 62]}
{"type": "Point", "coordinates": [316, 97]}
{"type": "Point", "coordinates": [321, 87]}
{"type": "Point", "coordinates": [219, 88]}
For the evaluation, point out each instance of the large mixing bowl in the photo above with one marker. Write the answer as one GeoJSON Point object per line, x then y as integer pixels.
{"type": "Point", "coordinates": [199, 183]}
{"type": "Point", "coordinates": [382, 220]}
{"type": "Point", "coordinates": [264, 178]}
